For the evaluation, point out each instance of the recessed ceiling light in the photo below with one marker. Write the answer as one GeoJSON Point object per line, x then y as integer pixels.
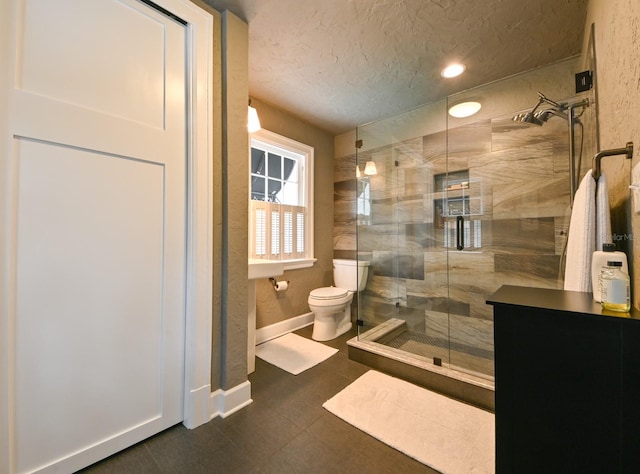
{"type": "Point", "coordinates": [464, 109]}
{"type": "Point", "coordinates": [453, 70]}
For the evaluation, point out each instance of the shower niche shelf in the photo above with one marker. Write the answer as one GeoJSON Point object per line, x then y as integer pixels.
{"type": "Point", "coordinates": [456, 195]}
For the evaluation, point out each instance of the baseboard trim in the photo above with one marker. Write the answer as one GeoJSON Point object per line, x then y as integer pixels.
{"type": "Point", "coordinates": [197, 407]}
{"type": "Point", "coordinates": [225, 402]}
{"type": "Point", "coordinates": [281, 328]}
{"type": "Point", "coordinates": [204, 405]}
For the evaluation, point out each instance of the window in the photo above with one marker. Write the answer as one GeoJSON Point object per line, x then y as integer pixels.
{"type": "Point", "coordinates": [281, 197]}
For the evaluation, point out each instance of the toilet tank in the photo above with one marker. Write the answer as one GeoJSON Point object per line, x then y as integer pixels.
{"type": "Point", "coordinates": [350, 274]}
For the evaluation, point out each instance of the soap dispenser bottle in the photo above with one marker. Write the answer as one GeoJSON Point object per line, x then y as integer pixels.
{"type": "Point", "coordinates": [615, 291]}
{"type": "Point", "coordinates": [599, 261]}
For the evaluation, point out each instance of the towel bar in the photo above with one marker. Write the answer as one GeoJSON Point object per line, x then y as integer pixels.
{"type": "Point", "coordinates": [596, 169]}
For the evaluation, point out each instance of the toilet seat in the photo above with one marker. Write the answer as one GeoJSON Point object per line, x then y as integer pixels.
{"type": "Point", "coordinates": [328, 293]}
{"type": "Point", "coordinates": [329, 297]}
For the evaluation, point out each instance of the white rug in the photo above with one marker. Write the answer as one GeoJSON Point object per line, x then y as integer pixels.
{"type": "Point", "coordinates": [442, 433]}
{"type": "Point", "coordinates": [294, 353]}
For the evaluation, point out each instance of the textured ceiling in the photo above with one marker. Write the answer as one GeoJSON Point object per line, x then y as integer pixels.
{"type": "Point", "coordinates": [343, 63]}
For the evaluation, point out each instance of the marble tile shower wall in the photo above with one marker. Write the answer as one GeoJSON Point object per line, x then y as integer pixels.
{"type": "Point", "coordinates": [519, 189]}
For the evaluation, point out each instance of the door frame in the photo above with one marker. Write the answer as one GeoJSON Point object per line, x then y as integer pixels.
{"type": "Point", "coordinates": [199, 218]}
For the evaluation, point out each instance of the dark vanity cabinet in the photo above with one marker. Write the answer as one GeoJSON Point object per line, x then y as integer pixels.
{"type": "Point", "coordinates": [567, 377]}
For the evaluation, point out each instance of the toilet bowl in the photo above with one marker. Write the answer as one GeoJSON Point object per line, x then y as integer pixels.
{"type": "Point", "coordinates": [331, 305]}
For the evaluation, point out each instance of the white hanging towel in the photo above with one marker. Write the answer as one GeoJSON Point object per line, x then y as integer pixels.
{"type": "Point", "coordinates": [603, 213]}
{"type": "Point", "coordinates": [581, 242]}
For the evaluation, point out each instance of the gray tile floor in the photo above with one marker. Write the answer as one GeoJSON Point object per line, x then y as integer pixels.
{"type": "Point", "coordinates": [284, 430]}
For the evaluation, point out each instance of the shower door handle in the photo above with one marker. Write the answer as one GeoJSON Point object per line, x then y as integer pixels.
{"type": "Point", "coordinates": [460, 232]}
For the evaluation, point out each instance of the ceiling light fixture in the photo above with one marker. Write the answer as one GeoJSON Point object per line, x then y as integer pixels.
{"type": "Point", "coordinates": [464, 109]}
{"type": "Point", "coordinates": [453, 70]}
{"type": "Point", "coordinates": [253, 122]}
{"type": "Point", "coordinates": [370, 168]}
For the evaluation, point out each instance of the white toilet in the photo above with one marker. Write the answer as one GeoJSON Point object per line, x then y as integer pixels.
{"type": "Point", "coordinates": [332, 305]}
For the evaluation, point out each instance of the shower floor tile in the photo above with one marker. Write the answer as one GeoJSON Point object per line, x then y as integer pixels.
{"type": "Point", "coordinates": [458, 355]}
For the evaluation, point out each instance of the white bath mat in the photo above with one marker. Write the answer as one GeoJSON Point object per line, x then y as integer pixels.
{"type": "Point", "coordinates": [294, 353]}
{"type": "Point", "coordinates": [447, 435]}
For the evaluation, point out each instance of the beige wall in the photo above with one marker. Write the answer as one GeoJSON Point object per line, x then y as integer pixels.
{"type": "Point", "coordinates": [235, 202]}
{"type": "Point", "coordinates": [272, 307]}
{"type": "Point", "coordinates": [230, 93]}
{"type": "Point", "coordinates": [617, 40]}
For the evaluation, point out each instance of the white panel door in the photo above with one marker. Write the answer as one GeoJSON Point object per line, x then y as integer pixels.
{"type": "Point", "coordinates": [98, 217]}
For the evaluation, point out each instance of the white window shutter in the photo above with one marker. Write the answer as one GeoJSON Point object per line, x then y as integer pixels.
{"type": "Point", "coordinates": [258, 229]}
{"type": "Point", "coordinates": [275, 231]}
{"type": "Point", "coordinates": [288, 232]}
{"type": "Point", "coordinates": [300, 232]}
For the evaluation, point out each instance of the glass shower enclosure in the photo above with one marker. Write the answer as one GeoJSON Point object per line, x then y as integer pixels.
{"type": "Point", "coordinates": [450, 209]}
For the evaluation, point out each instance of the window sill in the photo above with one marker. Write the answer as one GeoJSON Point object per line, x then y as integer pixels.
{"type": "Point", "coordinates": [298, 264]}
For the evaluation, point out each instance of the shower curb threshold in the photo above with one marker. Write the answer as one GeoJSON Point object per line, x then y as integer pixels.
{"type": "Point", "coordinates": [420, 370]}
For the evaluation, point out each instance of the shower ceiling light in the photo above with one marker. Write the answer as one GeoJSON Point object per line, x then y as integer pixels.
{"type": "Point", "coordinates": [370, 168]}
{"type": "Point", "coordinates": [453, 70]}
{"type": "Point", "coordinates": [464, 109]}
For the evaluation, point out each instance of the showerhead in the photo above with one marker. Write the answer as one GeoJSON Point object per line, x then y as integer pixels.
{"type": "Point", "coordinates": [528, 118]}
{"type": "Point", "coordinates": [546, 114]}
{"type": "Point", "coordinates": [539, 118]}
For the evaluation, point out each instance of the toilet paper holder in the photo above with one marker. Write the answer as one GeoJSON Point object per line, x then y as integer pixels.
{"type": "Point", "coordinates": [279, 285]}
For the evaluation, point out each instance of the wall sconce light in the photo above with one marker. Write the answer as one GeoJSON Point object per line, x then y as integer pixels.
{"type": "Point", "coordinates": [253, 122]}
{"type": "Point", "coordinates": [358, 173]}
{"type": "Point", "coordinates": [370, 168]}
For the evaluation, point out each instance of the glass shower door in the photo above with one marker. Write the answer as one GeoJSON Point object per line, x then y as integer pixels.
{"type": "Point", "coordinates": [377, 232]}
{"type": "Point", "coordinates": [422, 162]}
{"type": "Point", "coordinates": [397, 231]}
{"type": "Point", "coordinates": [470, 267]}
